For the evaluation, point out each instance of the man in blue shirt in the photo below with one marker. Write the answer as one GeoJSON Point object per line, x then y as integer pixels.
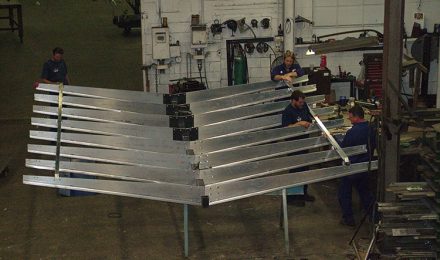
{"type": "Point", "coordinates": [360, 134]}
{"type": "Point", "coordinates": [288, 70]}
{"type": "Point", "coordinates": [297, 114]}
{"type": "Point", "coordinates": [55, 69]}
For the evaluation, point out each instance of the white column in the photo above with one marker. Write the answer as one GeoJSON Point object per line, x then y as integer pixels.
{"type": "Point", "coordinates": [289, 13]}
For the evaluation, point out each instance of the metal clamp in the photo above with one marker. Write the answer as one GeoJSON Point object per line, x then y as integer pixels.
{"type": "Point", "coordinates": [329, 137]}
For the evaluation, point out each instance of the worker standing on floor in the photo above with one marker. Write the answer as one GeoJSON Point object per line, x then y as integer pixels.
{"type": "Point", "coordinates": [297, 114]}
{"type": "Point", "coordinates": [287, 71]}
{"type": "Point", "coordinates": [360, 134]}
{"type": "Point", "coordinates": [55, 69]}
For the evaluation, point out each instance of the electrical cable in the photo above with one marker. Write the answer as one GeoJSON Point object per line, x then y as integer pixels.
{"type": "Point", "coordinates": [206, 78]}
{"type": "Point", "coordinates": [156, 80]}
{"type": "Point", "coordinates": [247, 25]}
{"type": "Point", "coordinates": [271, 49]}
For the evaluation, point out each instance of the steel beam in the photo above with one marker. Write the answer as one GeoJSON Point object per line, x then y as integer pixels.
{"type": "Point", "coordinates": [391, 75]}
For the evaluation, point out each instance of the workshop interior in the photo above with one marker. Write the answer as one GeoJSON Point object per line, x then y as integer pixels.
{"type": "Point", "coordinates": [200, 129]}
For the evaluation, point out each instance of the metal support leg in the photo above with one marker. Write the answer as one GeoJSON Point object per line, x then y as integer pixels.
{"type": "Point", "coordinates": [185, 229]}
{"type": "Point", "coordinates": [286, 223]}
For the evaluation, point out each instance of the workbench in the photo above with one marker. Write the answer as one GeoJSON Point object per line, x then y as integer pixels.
{"type": "Point", "coordinates": [15, 23]}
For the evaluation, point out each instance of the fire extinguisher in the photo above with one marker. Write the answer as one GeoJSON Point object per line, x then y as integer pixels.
{"type": "Point", "coordinates": [323, 64]}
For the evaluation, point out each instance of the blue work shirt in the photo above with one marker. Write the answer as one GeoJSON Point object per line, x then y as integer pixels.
{"type": "Point", "coordinates": [292, 115]}
{"type": "Point", "coordinates": [282, 70]}
{"type": "Point", "coordinates": [358, 135]}
{"type": "Point", "coordinates": [55, 71]}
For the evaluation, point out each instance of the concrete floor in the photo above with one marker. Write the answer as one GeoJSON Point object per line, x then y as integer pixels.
{"type": "Point", "coordinates": [38, 224]}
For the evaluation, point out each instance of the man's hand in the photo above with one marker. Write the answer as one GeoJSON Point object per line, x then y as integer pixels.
{"type": "Point", "coordinates": [287, 77]}
{"type": "Point", "coordinates": [304, 124]}
{"type": "Point", "coordinates": [292, 74]}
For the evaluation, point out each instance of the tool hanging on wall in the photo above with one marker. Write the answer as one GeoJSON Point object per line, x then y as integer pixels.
{"type": "Point", "coordinates": [262, 47]}
{"type": "Point", "coordinates": [254, 23]}
{"type": "Point", "coordinates": [216, 27]}
{"type": "Point", "coordinates": [232, 25]}
{"type": "Point", "coordinates": [265, 23]}
{"type": "Point", "coordinates": [249, 48]}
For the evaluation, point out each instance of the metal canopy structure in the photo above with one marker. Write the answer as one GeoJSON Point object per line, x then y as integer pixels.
{"type": "Point", "coordinates": [139, 147]}
{"type": "Point", "coordinates": [199, 148]}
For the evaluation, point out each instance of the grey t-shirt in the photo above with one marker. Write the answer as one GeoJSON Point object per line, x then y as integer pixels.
{"type": "Point", "coordinates": [55, 71]}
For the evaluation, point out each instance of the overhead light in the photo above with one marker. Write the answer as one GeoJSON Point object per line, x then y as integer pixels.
{"type": "Point", "coordinates": [310, 52]}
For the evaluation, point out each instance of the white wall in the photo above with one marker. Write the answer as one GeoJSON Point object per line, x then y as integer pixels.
{"type": "Point", "coordinates": [330, 16]}
{"type": "Point", "coordinates": [179, 18]}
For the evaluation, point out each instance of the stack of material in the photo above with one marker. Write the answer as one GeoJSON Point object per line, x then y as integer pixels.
{"type": "Point", "coordinates": [409, 227]}
{"type": "Point", "coordinates": [198, 148]}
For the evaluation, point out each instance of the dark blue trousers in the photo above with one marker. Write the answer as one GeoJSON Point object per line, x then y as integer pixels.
{"type": "Point", "coordinates": [360, 182]}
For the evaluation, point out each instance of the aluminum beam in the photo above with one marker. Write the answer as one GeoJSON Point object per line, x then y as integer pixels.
{"type": "Point", "coordinates": [154, 191]}
{"type": "Point", "coordinates": [242, 189]}
{"type": "Point", "coordinates": [258, 137]}
{"type": "Point", "coordinates": [330, 138]}
{"type": "Point", "coordinates": [157, 98]}
{"type": "Point", "coordinates": [122, 172]}
{"type": "Point", "coordinates": [265, 167]}
{"type": "Point", "coordinates": [249, 125]}
{"type": "Point", "coordinates": [147, 132]}
{"type": "Point", "coordinates": [144, 159]}
{"type": "Point", "coordinates": [246, 112]}
{"type": "Point", "coordinates": [246, 100]}
{"type": "Point", "coordinates": [254, 153]}
{"type": "Point", "coordinates": [105, 104]}
{"type": "Point", "coordinates": [116, 94]}
{"type": "Point", "coordinates": [116, 142]}
{"type": "Point", "coordinates": [196, 107]}
{"type": "Point", "coordinates": [226, 92]}
{"type": "Point", "coordinates": [107, 116]}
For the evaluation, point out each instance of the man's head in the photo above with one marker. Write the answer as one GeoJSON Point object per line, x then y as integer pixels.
{"type": "Point", "coordinates": [356, 114]}
{"type": "Point", "coordinates": [289, 58]}
{"type": "Point", "coordinates": [297, 99]}
{"type": "Point", "coordinates": [57, 54]}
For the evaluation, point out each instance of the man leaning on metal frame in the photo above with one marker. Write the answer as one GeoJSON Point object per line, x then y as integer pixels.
{"type": "Point", "coordinates": [360, 134]}
{"type": "Point", "coordinates": [55, 69]}
{"type": "Point", "coordinates": [297, 114]}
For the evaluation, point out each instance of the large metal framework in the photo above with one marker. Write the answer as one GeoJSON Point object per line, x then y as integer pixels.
{"type": "Point", "coordinates": [200, 148]}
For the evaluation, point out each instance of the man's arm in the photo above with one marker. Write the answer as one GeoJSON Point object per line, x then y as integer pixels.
{"type": "Point", "coordinates": [299, 71]}
{"type": "Point", "coordinates": [45, 74]}
{"type": "Point", "coordinates": [301, 123]}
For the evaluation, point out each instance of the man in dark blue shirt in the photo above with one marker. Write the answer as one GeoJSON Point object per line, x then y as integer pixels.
{"type": "Point", "coordinates": [297, 114]}
{"type": "Point", "coordinates": [55, 69]}
{"type": "Point", "coordinates": [288, 70]}
{"type": "Point", "coordinates": [360, 134]}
